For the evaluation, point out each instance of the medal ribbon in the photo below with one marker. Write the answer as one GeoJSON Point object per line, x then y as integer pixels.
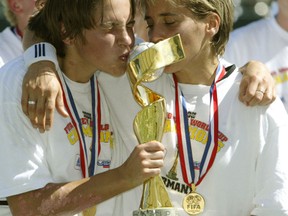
{"type": "Point", "coordinates": [185, 151]}
{"type": "Point", "coordinates": [76, 121]}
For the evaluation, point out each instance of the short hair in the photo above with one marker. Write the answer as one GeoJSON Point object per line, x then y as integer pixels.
{"type": "Point", "coordinates": [9, 15]}
{"type": "Point", "coordinates": [72, 15]}
{"type": "Point", "coordinates": [202, 8]}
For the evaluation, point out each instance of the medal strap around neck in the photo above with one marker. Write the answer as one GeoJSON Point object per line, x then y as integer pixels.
{"type": "Point", "coordinates": [87, 170]}
{"type": "Point", "coordinates": [185, 151]}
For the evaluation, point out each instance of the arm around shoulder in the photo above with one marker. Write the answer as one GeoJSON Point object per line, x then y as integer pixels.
{"type": "Point", "coordinates": [257, 86]}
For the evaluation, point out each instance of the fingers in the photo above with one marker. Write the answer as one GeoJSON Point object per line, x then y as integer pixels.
{"type": "Point", "coordinates": [153, 161]}
{"type": "Point", "coordinates": [257, 86]}
{"type": "Point", "coordinates": [144, 162]}
{"type": "Point", "coordinates": [254, 93]}
{"type": "Point", "coordinates": [36, 114]}
{"type": "Point", "coordinates": [248, 91]}
{"type": "Point", "coordinates": [29, 103]}
{"type": "Point", "coordinates": [257, 98]}
{"type": "Point", "coordinates": [41, 86]}
{"type": "Point", "coordinates": [268, 96]}
{"type": "Point", "coordinates": [153, 146]}
{"type": "Point", "coordinates": [49, 117]}
{"type": "Point", "coordinates": [60, 105]}
{"type": "Point", "coordinates": [40, 115]}
{"type": "Point", "coordinates": [152, 156]}
{"type": "Point", "coordinates": [31, 112]}
{"type": "Point", "coordinates": [244, 95]}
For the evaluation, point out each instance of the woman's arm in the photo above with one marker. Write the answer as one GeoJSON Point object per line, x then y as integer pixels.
{"type": "Point", "coordinates": [70, 198]}
{"type": "Point", "coordinates": [257, 86]}
{"type": "Point", "coordinates": [40, 84]}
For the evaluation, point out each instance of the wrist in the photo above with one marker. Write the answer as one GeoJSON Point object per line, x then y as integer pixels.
{"type": "Point", "coordinates": [40, 52]}
{"type": "Point", "coordinates": [125, 179]}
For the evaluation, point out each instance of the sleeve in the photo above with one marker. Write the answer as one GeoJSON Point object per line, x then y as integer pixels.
{"type": "Point", "coordinates": [272, 166]}
{"type": "Point", "coordinates": [23, 163]}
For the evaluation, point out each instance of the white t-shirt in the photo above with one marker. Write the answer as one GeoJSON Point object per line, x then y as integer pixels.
{"type": "Point", "coordinates": [261, 40]}
{"type": "Point", "coordinates": [10, 46]}
{"type": "Point", "coordinates": [248, 175]}
{"type": "Point", "coordinates": [30, 160]}
{"type": "Point", "coordinates": [278, 66]}
{"type": "Point", "coordinates": [244, 179]}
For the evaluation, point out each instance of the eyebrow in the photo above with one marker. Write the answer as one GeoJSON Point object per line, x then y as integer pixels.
{"type": "Point", "coordinates": [115, 22]}
{"type": "Point", "coordinates": [163, 15]}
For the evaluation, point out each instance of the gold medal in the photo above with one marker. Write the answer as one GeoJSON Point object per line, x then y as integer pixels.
{"type": "Point", "coordinates": [193, 203]}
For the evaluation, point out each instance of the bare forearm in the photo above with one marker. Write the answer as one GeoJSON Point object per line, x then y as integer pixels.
{"type": "Point", "coordinates": [144, 162]}
{"type": "Point", "coordinates": [69, 198]}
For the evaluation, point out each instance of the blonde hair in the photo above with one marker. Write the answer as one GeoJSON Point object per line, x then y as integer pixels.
{"type": "Point", "coordinates": [202, 8]}
{"type": "Point", "coordinates": [9, 15]}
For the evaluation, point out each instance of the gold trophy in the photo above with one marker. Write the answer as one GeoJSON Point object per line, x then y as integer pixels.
{"type": "Point", "coordinates": [149, 122]}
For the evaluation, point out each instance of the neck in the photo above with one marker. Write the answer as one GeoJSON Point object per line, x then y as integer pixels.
{"type": "Point", "coordinates": [21, 25]}
{"type": "Point", "coordinates": [75, 66]}
{"type": "Point", "coordinates": [75, 71]}
{"type": "Point", "coordinates": [198, 73]}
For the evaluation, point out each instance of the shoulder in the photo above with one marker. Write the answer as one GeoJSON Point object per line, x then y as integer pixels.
{"type": "Point", "coordinates": [8, 37]}
{"type": "Point", "coordinates": [11, 46]}
{"type": "Point", "coordinates": [6, 31]}
{"type": "Point", "coordinates": [231, 81]}
{"type": "Point", "coordinates": [15, 68]}
{"type": "Point", "coordinates": [11, 76]}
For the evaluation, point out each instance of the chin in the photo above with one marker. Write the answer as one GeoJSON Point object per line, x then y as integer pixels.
{"type": "Point", "coordinates": [116, 71]}
{"type": "Point", "coordinates": [119, 72]}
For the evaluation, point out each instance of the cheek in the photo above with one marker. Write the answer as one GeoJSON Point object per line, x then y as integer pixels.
{"type": "Point", "coordinates": [92, 51]}
{"type": "Point", "coordinates": [191, 45]}
{"type": "Point", "coordinates": [99, 48]}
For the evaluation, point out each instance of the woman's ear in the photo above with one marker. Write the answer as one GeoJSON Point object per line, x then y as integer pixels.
{"type": "Point", "coordinates": [15, 6]}
{"type": "Point", "coordinates": [40, 4]}
{"type": "Point", "coordinates": [66, 40]}
{"type": "Point", "coordinates": [213, 23]}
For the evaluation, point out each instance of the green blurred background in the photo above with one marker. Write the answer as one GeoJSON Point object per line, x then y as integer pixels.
{"type": "Point", "coordinates": [3, 22]}
{"type": "Point", "coordinates": [246, 11]}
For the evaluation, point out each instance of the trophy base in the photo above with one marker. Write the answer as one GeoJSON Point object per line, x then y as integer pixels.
{"type": "Point", "coordinates": [155, 212]}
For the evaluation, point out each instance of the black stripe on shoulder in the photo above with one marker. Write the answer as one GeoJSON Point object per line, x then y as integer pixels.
{"type": "Point", "coordinates": [39, 50]}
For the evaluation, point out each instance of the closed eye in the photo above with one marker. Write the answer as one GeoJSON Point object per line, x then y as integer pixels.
{"type": "Point", "coordinates": [130, 24]}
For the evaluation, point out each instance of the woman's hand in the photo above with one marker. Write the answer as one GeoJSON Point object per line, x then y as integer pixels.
{"type": "Point", "coordinates": [145, 161]}
{"type": "Point", "coordinates": [41, 93]}
{"type": "Point", "coordinates": [257, 86]}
